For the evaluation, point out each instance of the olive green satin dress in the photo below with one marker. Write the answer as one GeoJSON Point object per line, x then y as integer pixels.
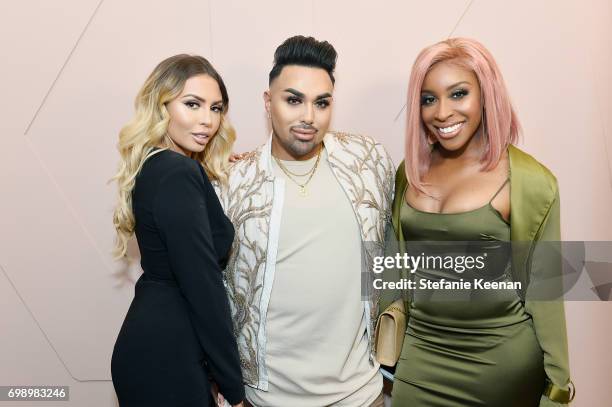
{"type": "Point", "coordinates": [474, 348]}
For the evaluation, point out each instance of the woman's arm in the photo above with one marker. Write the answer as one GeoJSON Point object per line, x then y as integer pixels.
{"type": "Point", "coordinates": [391, 274]}
{"type": "Point", "coordinates": [548, 312]}
{"type": "Point", "coordinates": [181, 213]}
{"type": "Point", "coordinates": [393, 241]}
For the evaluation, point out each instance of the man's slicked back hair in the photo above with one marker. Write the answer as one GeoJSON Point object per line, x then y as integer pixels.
{"type": "Point", "coordinates": [304, 51]}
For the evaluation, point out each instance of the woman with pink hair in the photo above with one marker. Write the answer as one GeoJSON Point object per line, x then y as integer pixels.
{"type": "Point", "coordinates": [464, 180]}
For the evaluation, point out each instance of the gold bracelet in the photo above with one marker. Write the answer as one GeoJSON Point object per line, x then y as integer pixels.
{"type": "Point", "coordinates": [556, 393]}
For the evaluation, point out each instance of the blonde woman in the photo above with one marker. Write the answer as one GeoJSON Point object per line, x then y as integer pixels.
{"type": "Point", "coordinates": [178, 330]}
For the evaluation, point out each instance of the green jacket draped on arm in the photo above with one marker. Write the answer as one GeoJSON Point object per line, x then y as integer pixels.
{"type": "Point", "coordinates": [534, 217]}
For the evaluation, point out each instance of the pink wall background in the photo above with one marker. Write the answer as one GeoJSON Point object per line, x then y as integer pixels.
{"type": "Point", "coordinates": [71, 70]}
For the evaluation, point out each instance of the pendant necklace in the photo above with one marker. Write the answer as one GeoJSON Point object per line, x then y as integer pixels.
{"type": "Point", "coordinates": [310, 173]}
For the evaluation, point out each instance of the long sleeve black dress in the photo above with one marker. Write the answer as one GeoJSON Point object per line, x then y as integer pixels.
{"type": "Point", "coordinates": [178, 328]}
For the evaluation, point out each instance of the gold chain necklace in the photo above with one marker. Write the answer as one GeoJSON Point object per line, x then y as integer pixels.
{"type": "Point", "coordinates": [311, 172]}
{"type": "Point", "coordinates": [287, 170]}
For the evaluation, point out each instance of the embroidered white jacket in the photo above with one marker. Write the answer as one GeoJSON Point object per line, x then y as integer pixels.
{"type": "Point", "coordinates": [253, 200]}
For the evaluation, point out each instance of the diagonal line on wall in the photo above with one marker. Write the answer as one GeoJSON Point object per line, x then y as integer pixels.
{"type": "Point", "coordinates": [400, 112]}
{"type": "Point", "coordinates": [449, 35]}
{"type": "Point", "coordinates": [44, 100]}
{"type": "Point", "coordinates": [605, 143]}
{"type": "Point", "coordinates": [601, 116]}
{"type": "Point", "coordinates": [312, 18]}
{"type": "Point", "coordinates": [600, 112]}
{"type": "Point", "coordinates": [461, 18]}
{"type": "Point", "coordinates": [210, 30]}
{"type": "Point", "coordinates": [68, 204]}
{"type": "Point", "coordinates": [42, 331]}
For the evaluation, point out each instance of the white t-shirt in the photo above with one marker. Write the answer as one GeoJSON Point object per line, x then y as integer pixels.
{"type": "Point", "coordinates": [317, 348]}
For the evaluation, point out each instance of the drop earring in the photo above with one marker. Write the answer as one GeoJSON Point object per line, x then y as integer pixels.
{"type": "Point", "coordinates": [170, 142]}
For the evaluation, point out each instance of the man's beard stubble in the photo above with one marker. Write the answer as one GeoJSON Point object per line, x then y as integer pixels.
{"type": "Point", "coordinates": [297, 148]}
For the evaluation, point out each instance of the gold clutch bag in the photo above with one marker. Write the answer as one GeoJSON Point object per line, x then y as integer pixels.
{"type": "Point", "coordinates": [389, 333]}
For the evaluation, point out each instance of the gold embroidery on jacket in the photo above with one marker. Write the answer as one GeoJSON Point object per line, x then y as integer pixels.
{"type": "Point", "coordinates": [366, 174]}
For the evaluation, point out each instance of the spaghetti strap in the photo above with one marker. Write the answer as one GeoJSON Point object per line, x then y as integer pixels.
{"type": "Point", "coordinates": [499, 190]}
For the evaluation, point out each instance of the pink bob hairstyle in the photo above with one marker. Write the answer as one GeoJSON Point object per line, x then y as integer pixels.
{"type": "Point", "coordinates": [501, 125]}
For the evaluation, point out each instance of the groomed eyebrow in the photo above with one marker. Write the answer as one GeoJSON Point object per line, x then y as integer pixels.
{"type": "Point", "coordinates": [301, 95]}
{"type": "Point", "coordinates": [200, 99]}
{"type": "Point", "coordinates": [449, 88]}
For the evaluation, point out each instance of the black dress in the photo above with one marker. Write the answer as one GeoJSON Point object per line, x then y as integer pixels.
{"type": "Point", "coordinates": [178, 328]}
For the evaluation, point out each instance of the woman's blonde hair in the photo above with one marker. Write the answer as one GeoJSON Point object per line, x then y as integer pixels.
{"type": "Point", "coordinates": [146, 131]}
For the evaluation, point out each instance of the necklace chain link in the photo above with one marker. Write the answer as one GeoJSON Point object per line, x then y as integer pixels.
{"type": "Point", "coordinates": [290, 175]}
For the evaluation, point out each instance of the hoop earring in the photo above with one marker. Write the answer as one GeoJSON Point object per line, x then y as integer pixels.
{"type": "Point", "coordinates": [171, 142]}
{"type": "Point", "coordinates": [430, 139]}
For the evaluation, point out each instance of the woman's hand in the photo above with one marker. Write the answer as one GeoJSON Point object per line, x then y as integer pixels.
{"type": "Point", "coordinates": [222, 403]}
{"type": "Point", "coordinates": [236, 157]}
{"type": "Point", "coordinates": [220, 400]}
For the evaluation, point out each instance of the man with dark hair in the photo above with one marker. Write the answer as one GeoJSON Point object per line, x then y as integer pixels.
{"type": "Point", "coordinates": [304, 205]}
{"type": "Point", "coordinates": [304, 51]}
